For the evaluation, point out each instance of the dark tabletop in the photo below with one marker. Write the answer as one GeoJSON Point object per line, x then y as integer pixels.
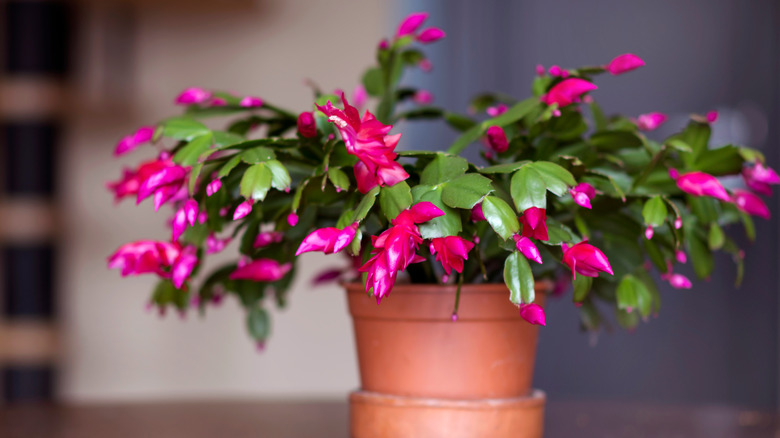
{"type": "Point", "coordinates": [236, 419]}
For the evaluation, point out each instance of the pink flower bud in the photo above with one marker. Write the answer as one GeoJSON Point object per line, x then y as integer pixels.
{"type": "Point", "coordinates": [494, 111]}
{"type": "Point", "coordinates": [527, 248]}
{"type": "Point", "coordinates": [759, 178]}
{"type": "Point", "coordinates": [191, 211]}
{"type": "Point", "coordinates": [555, 71]}
{"type": "Point", "coordinates": [328, 240]}
{"type": "Point", "coordinates": [430, 35]}
{"type": "Point", "coordinates": [425, 65]}
{"type": "Point", "coordinates": [679, 281]}
{"type": "Point", "coordinates": [533, 313]}
{"type": "Point", "coordinates": [261, 270]}
{"type": "Point", "coordinates": [477, 214]}
{"type": "Point", "coordinates": [243, 209]}
{"type": "Point", "coordinates": [213, 186]}
{"type": "Point", "coordinates": [624, 63]}
{"type": "Point", "coordinates": [292, 219]}
{"type": "Point", "coordinates": [411, 23]}
{"type": "Point", "coordinates": [423, 97]}
{"type": "Point", "coordinates": [712, 116]}
{"type": "Point", "coordinates": [702, 184]}
{"type": "Point", "coordinates": [568, 91]}
{"type": "Point", "coordinates": [218, 101]}
{"type": "Point", "coordinates": [251, 102]}
{"type": "Point", "coordinates": [680, 256]}
{"type": "Point", "coordinates": [451, 251]}
{"type": "Point", "coordinates": [384, 44]}
{"type": "Point", "coordinates": [268, 238]}
{"type": "Point", "coordinates": [307, 126]}
{"type": "Point", "coordinates": [193, 95]}
{"type": "Point", "coordinates": [540, 71]}
{"type": "Point", "coordinates": [751, 204]}
{"type": "Point", "coordinates": [650, 121]}
{"type": "Point", "coordinates": [586, 259]}
{"type": "Point", "coordinates": [131, 142]}
{"type": "Point", "coordinates": [649, 232]}
{"type": "Point", "coordinates": [534, 222]}
{"type": "Point", "coordinates": [215, 245]}
{"type": "Point", "coordinates": [582, 194]}
{"type": "Point", "coordinates": [497, 140]}
{"type": "Point", "coordinates": [677, 223]}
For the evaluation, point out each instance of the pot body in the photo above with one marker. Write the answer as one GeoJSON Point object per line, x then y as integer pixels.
{"type": "Point", "coordinates": [423, 374]}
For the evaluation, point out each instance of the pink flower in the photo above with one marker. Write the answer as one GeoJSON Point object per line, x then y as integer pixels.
{"type": "Point", "coordinates": [261, 270]}
{"type": "Point", "coordinates": [423, 97]}
{"type": "Point", "coordinates": [650, 121]}
{"type": "Point", "coordinates": [677, 281]}
{"type": "Point", "coordinates": [568, 91]}
{"type": "Point", "coordinates": [159, 177]}
{"type": "Point", "coordinates": [555, 71]}
{"type": "Point", "coordinates": [533, 313]}
{"type": "Point", "coordinates": [411, 23]}
{"type": "Point", "coordinates": [451, 251]}
{"type": "Point", "coordinates": [680, 256]}
{"type": "Point", "coordinates": [243, 209]}
{"type": "Point", "coordinates": [192, 96]}
{"type": "Point", "coordinates": [307, 126]}
{"type": "Point", "coordinates": [430, 35]}
{"type": "Point", "coordinates": [367, 139]}
{"type": "Point", "coordinates": [218, 101]}
{"type": "Point", "coordinates": [582, 194]}
{"type": "Point", "coordinates": [527, 248]}
{"type": "Point", "coordinates": [328, 240]}
{"type": "Point", "coordinates": [649, 232]}
{"type": "Point", "coordinates": [292, 219]}
{"type": "Point", "coordinates": [534, 222]}
{"type": "Point", "coordinates": [494, 111]}
{"type": "Point", "coordinates": [477, 214]}
{"type": "Point", "coordinates": [585, 259]}
{"type": "Point", "coordinates": [701, 184]}
{"type": "Point", "coordinates": [759, 178]}
{"type": "Point", "coordinates": [624, 63]}
{"type": "Point", "coordinates": [712, 116]}
{"type": "Point", "coordinates": [497, 140]}
{"type": "Point", "coordinates": [268, 238]}
{"type": "Point", "coordinates": [251, 102]}
{"type": "Point", "coordinates": [540, 71]}
{"type": "Point", "coordinates": [213, 186]}
{"type": "Point", "coordinates": [183, 266]}
{"type": "Point", "coordinates": [395, 248]}
{"type": "Point", "coordinates": [132, 141]}
{"type": "Point", "coordinates": [384, 44]}
{"type": "Point", "coordinates": [750, 204]}
{"type": "Point", "coordinates": [132, 179]}
{"type": "Point", "coordinates": [215, 245]}
{"type": "Point", "coordinates": [677, 223]}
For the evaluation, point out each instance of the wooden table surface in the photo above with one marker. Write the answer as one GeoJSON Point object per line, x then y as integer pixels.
{"type": "Point", "coordinates": [237, 419]}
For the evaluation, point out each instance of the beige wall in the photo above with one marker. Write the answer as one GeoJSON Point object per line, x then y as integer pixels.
{"type": "Point", "coordinates": [117, 350]}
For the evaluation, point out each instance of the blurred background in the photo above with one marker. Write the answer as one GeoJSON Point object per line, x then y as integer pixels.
{"type": "Point", "coordinates": [76, 76]}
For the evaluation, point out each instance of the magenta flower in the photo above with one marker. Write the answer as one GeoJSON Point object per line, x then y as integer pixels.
{"type": "Point", "coordinates": [533, 313]}
{"type": "Point", "coordinates": [159, 177]}
{"type": "Point", "coordinates": [215, 245]}
{"type": "Point", "coordinates": [477, 214]}
{"type": "Point", "coordinates": [451, 251]}
{"type": "Point", "coordinates": [132, 179]}
{"type": "Point", "coordinates": [678, 223]}
{"type": "Point", "coordinates": [555, 71]}
{"type": "Point", "coordinates": [624, 63]}
{"type": "Point", "coordinates": [423, 97]}
{"type": "Point", "coordinates": [261, 270]}
{"type": "Point", "coordinates": [495, 111]}
{"type": "Point", "coordinates": [750, 204]}
{"type": "Point", "coordinates": [430, 35]}
{"type": "Point", "coordinates": [680, 256]}
{"type": "Point", "coordinates": [582, 194]}
{"type": "Point", "coordinates": [585, 259]}
{"type": "Point", "coordinates": [307, 126]}
{"type": "Point", "coordinates": [540, 71]}
{"type": "Point", "coordinates": [132, 141]}
{"type": "Point", "coordinates": [527, 248]}
{"type": "Point", "coordinates": [568, 91]}
{"type": "Point", "coordinates": [292, 219]}
{"type": "Point", "coordinates": [677, 281]}
{"type": "Point", "coordinates": [183, 266]}
{"type": "Point", "coordinates": [649, 232]}
{"type": "Point", "coordinates": [396, 247]}
{"type": "Point", "coordinates": [367, 139]}
{"type": "Point", "coordinates": [213, 186]}
{"type": "Point", "coordinates": [496, 139]}
{"type": "Point", "coordinates": [411, 23]}
{"type": "Point", "coordinates": [328, 240]}
{"type": "Point", "coordinates": [712, 116]}
{"type": "Point", "coordinates": [251, 102]}
{"type": "Point", "coordinates": [193, 96]}
{"type": "Point", "coordinates": [243, 209]}
{"type": "Point", "coordinates": [759, 178]}
{"type": "Point", "coordinates": [650, 121]}
{"type": "Point", "coordinates": [534, 222]}
{"type": "Point", "coordinates": [701, 184]}
{"type": "Point", "coordinates": [268, 238]}
{"type": "Point", "coordinates": [167, 260]}
{"type": "Point", "coordinates": [218, 101]}
{"type": "Point", "coordinates": [187, 214]}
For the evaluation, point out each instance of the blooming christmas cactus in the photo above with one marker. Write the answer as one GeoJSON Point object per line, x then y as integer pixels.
{"type": "Point", "coordinates": [563, 192]}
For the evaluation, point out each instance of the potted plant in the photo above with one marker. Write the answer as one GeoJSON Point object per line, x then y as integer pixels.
{"type": "Point", "coordinates": [458, 255]}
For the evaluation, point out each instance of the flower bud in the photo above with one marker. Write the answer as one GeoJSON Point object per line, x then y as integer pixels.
{"type": "Point", "coordinates": [307, 126]}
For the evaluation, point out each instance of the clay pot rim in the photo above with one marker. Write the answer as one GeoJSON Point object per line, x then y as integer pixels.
{"type": "Point", "coordinates": [540, 286]}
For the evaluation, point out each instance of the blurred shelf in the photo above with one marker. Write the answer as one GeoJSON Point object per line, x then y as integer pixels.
{"type": "Point", "coordinates": [330, 419]}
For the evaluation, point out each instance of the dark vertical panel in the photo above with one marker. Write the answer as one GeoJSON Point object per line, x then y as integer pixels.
{"type": "Point", "coordinates": [29, 154]}
{"type": "Point", "coordinates": [36, 37]}
{"type": "Point", "coordinates": [714, 343]}
{"type": "Point", "coordinates": [27, 383]}
{"type": "Point", "coordinates": [28, 284]}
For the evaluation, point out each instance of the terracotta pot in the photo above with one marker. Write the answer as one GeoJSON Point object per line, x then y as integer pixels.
{"type": "Point", "coordinates": [424, 375]}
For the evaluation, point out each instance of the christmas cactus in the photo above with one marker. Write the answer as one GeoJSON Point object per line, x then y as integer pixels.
{"type": "Point", "coordinates": [563, 192]}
